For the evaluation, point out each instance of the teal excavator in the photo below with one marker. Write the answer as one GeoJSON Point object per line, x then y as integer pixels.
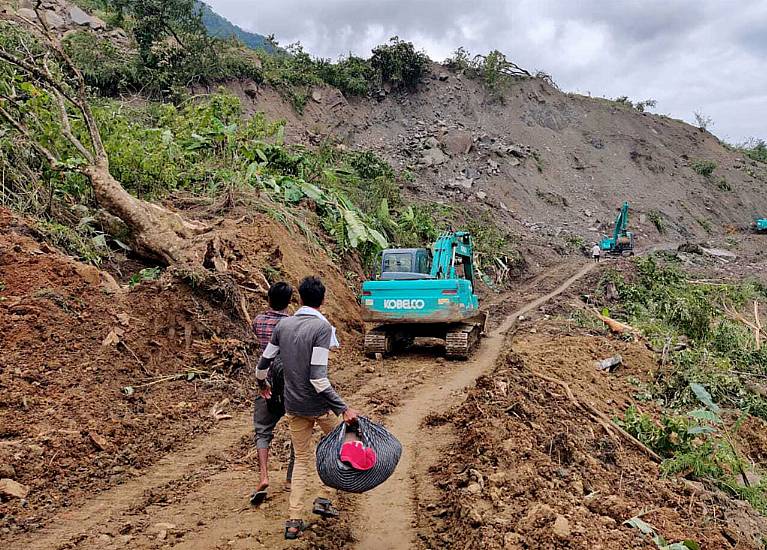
{"type": "Point", "coordinates": [622, 241]}
{"type": "Point", "coordinates": [426, 294]}
{"type": "Point", "coordinates": [761, 225]}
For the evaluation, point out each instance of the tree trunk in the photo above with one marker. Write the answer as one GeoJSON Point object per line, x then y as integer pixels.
{"type": "Point", "coordinates": [155, 231]}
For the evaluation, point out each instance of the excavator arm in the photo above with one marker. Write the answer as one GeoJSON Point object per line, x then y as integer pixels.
{"type": "Point", "coordinates": [621, 222]}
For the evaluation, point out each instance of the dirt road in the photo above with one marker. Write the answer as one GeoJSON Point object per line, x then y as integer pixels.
{"type": "Point", "coordinates": [388, 510]}
{"type": "Point", "coordinates": [196, 497]}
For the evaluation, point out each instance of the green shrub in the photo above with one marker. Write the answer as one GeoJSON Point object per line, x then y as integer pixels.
{"type": "Point", "coordinates": [104, 66]}
{"type": "Point", "coordinates": [399, 64]}
{"type": "Point", "coordinates": [723, 185]}
{"type": "Point", "coordinates": [704, 167]}
{"type": "Point", "coordinates": [756, 150]}
{"type": "Point", "coordinates": [495, 71]}
{"type": "Point", "coordinates": [641, 106]}
{"type": "Point", "coordinates": [657, 220]}
{"type": "Point", "coordinates": [352, 75]}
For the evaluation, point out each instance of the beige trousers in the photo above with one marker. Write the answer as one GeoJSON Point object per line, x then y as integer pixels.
{"type": "Point", "coordinates": [301, 430]}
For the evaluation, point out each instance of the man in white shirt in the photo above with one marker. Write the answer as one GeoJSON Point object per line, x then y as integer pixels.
{"type": "Point", "coordinates": [596, 252]}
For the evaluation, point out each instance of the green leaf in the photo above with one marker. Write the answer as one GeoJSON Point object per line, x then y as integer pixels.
{"type": "Point", "coordinates": [695, 430]}
{"type": "Point", "coordinates": [686, 544]}
{"type": "Point", "coordinates": [377, 238]}
{"type": "Point", "coordinates": [190, 376]}
{"type": "Point", "coordinates": [121, 245]}
{"type": "Point", "coordinates": [311, 191]}
{"type": "Point", "coordinates": [704, 397]}
{"type": "Point", "coordinates": [100, 241]}
{"type": "Point", "coordinates": [280, 137]}
{"type": "Point", "coordinates": [166, 137]}
{"type": "Point", "coordinates": [292, 194]}
{"type": "Point", "coordinates": [355, 229]}
{"type": "Point", "coordinates": [251, 171]}
{"type": "Point", "coordinates": [638, 523]}
{"type": "Point", "coordinates": [704, 415]}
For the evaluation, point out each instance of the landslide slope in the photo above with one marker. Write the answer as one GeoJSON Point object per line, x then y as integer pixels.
{"type": "Point", "coordinates": [549, 163]}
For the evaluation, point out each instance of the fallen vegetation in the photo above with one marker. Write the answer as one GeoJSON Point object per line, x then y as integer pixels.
{"type": "Point", "coordinates": [712, 367]}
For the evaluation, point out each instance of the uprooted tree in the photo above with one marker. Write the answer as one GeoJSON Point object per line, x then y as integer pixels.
{"type": "Point", "coordinates": [35, 71]}
{"type": "Point", "coordinates": [44, 100]}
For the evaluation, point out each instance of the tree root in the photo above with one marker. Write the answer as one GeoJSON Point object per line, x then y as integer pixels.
{"type": "Point", "coordinates": [600, 418]}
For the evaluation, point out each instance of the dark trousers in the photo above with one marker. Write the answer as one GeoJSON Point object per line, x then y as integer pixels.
{"type": "Point", "coordinates": [265, 418]}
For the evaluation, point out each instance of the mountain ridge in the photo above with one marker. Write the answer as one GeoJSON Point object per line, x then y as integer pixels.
{"type": "Point", "coordinates": [219, 26]}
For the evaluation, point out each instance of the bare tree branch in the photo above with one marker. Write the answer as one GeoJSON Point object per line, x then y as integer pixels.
{"type": "Point", "coordinates": [66, 126]}
{"type": "Point", "coordinates": [82, 91]}
{"type": "Point", "coordinates": [35, 71]}
{"type": "Point", "coordinates": [20, 128]}
{"type": "Point", "coordinates": [66, 129]}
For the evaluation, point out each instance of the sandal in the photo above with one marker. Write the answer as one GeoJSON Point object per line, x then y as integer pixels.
{"type": "Point", "coordinates": [259, 495]}
{"type": "Point", "coordinates": [294, 528]}
{"type": "Point", "coordinates": [258, 498]}
{"type": "Point", "coordinates": [323, 507]}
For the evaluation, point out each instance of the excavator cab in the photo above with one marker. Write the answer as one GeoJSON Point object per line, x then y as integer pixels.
{"type": "Point", "coordinates": [405, 264]}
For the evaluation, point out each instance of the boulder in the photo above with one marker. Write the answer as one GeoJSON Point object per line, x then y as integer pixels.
{"type": "Point", "coordinates": [719, 253]}
{"type": "Point", "coordinates": [54, 20]}
{"type": "Point", "coordinates": [458, 142]}
{"type": "Point", "coordinates": [461, 183]}
{"type": "Point", "coordinates": [78, 16]}
{"type": "Point", "coordinates": [431, 143]}
{"type": "Point", "coordinates": [96, 24]}
{"type": "Point", "coordinates": [317, 96]}
{"type": "Point", "coordinates": [516, 150]}
{"type": "Point", "coordinates": [27, 13]}
{"type": "Point", "coordinates": [251, 90]}
{"type": "Point", "coordinates": [474, 489]}
{"type": "Point", "coordinates": [87, 273]}
{"type": "Point", "coordinates": [471, 173]}
{"type": "Point", "coordinates": [434, 157]}
{"type": "Point", "coordinates": [13, 489]}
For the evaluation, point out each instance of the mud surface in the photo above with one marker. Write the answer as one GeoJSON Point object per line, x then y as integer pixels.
{"type": "Point", "coordinates": [530, 470]}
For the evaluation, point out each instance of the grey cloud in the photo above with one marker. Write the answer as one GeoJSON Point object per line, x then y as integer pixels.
{"type": "Point", "coordinates": [687, 54]}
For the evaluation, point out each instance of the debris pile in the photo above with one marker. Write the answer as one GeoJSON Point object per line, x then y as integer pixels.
{"type": "Point", "coordinates": [223, 355]}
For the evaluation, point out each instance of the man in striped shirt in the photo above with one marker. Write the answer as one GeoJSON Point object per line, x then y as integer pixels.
{"type": "Point", "coordinates": [269, 407]}
{"type": "Point", "coordinates": [303, 344]}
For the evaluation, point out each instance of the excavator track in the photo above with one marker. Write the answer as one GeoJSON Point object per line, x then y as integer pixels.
{"type": "Point", "coordinates": [377, 341]}
{"type": "Point", "coordinates": [461, 340]}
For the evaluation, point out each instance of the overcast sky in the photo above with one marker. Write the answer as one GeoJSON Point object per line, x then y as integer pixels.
{"type": "Point", "coordinates": [689, 55]}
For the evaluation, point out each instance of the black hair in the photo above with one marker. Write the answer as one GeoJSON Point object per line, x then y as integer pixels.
{"type": "Point", "coordinates": [279, 295]}
{"type": "Point", "coordinates": [312, 291]}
